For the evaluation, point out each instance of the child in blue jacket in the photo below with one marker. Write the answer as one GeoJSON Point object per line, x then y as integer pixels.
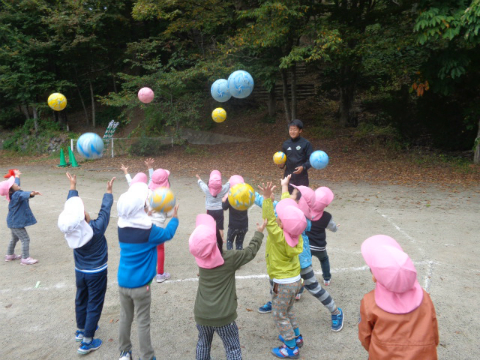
{"type": "Point", "coordinates": [138, 239]}
{"type": "Point", "coordinates": [90, 251]}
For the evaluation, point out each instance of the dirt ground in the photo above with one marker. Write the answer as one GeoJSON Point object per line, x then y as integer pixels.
{"type": "Point", "coordinates": [438, 228]}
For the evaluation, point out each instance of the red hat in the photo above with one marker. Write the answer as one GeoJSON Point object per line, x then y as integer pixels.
{"type": "Point", "coordinates": [11, 172]}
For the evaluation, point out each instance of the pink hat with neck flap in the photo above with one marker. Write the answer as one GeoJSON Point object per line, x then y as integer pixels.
{"type": "Point", "coordinates": [397, 290]}
{"type": "Point", "coordinates": [323, 197]}
{"type": "Point", "coordinates": [235, 180]}
{"type": "Point", "coordinates": [293, 220]}
{"type": "Point", "coordinates": [203, 243]}
{"type": "Point", "coordinates": [159, 179]}
{"type": "Point", "coordinates": [307, 200]}
{"type": "Point", "coordinates": [5, 187]}
{"type": "Point", "coordinates": [139, 177]}
{"type": "Point", "coordinates": [215, 182]}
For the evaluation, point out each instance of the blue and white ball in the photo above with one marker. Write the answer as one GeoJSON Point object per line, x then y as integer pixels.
{"type": "Point", "coordinates": [219, 90]}
{"type": "Point", "coordinates": [90, 146]}
{"type": "Point", "coordinates": [319, 159]}
{"type": "Point", "coordinates": [240, 84]}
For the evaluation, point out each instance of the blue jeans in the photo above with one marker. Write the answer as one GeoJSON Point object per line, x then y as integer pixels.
{"type": "Point", "coordinates": [237, 235]}
{"type": "Point", "coordinates": [91, 289]}
{"type": "Point", "coordinates": [324, 262]}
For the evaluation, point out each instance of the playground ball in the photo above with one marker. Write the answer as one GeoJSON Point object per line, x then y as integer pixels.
{"type": "Point", "coordinates": [162, 199]}
{"type": "Point", "coordinates": [240, 84]}
{"type": "Point", "coordinates": [145, 95]}
{"type": "Point", "coordinates": [319, 159]}
{"type": "Point", "coordinates": [279, 158]}
{"type": "Point", "coordinates": [241, 196]}
{"type": "Point", "coordinates": [90, 146]}
{"type": "Point", "coordinates": [219, 90]}
{"type": "Point", "coordinates": [219, 115]}
{"type": "Point", "coordinates": [57, 101]}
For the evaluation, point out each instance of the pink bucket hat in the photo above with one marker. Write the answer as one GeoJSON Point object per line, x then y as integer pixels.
{"type": "Point", "coordinates": [235, 180]}
{"type": "Point", "coordinates": [215, 182]}
{"type": "Point", "coordinates": [139, 177]}
{"type": "Point", "coordinates": [307, 200]}
{"type": "Point", "coordinates": [293, 220]}
{"type": "Point", "coordinates": [323, 197]}
{"type": "Point", "coordinates": [203, 243]}
{"type": "Point", "coordinates": [397, 290]}
{"type": "Point", "coordinates": [159, 179]}
{"type": "Point", "coordinates": [5, 187]}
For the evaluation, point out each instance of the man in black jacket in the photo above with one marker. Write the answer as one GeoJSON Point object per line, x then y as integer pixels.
{"type": "Point", "coordinates": [298, 151]}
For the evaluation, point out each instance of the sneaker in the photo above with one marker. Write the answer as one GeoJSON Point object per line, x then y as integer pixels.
{"type": "Point", "coordinates": [162, 277]}
{"type": "Point", "coordinates": [284, 352]}
{"type": "Point", "coordinates": [326, 282]}
{"type": "Point", "coordinates": [12, 257]}
{"type": "Point", "coordinates": [28, 261]}
{"type": "Point", "coordinates": [298, 340]}
{"type": "Point", "coordinates": [265, 309]}
{"type": "Point", "coordinates": [126, 355]}
{"type": "Point", "coordinates": [79, 334]}
{"type": "Point", "coordinates": [91, 346]}
{"type": "Point", "coordinates": [337, 321]}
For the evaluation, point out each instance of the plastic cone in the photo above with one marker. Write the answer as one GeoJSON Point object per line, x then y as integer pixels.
{"type": "Point", "coordinates": [63, 163]}
{"type": "Point", "coordinates": [71, 157]}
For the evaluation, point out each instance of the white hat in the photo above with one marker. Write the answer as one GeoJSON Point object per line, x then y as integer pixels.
{"type": "Point", "coordinates": [131, 207]}
{"type": "Point", "coordinates": [71, 222]}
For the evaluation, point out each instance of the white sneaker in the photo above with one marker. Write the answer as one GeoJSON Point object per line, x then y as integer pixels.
{"type": "Point", "coordinates": [126, 355]}
{"type": "Point", "coordinates": [28, 261]}
{"type": "Point", "coordinates": [162, 277]}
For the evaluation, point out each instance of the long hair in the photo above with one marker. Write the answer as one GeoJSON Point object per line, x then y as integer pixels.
{"type": "Point", "coordinates": [219, 242]}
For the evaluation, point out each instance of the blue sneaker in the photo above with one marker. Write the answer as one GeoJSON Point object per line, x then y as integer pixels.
{"type": "Point", "coordinates": [337, 321]}
{"type": "Point", "coordinates": [265, 308]}
{"type": "Point", "coordinates": [80, 334]}
{"type": "Point", "coordinates": [284, 352]}
{"type": "Point", "coordinates": [85, 348]}
{"type": "Point", "coordinates": [126, 355]}
{"type": "Point", "coordinates": [298, 340]}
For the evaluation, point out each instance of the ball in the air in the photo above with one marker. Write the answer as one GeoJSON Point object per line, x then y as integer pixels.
{"type": "Point", "coordinates": [219, 115]}
{"type": "Point", "coordinates": [57, 101]}
{"type": "Point", "coordinates": [219, 90]}
{"type": "Point", "coordinates": [241, 196]}
{"type": "Point", "coordinates": [145, 95]}
{"type": "Point", "coordinates": [279, 158]}
{"type": "Point", "coordinates": [319, 159]}
{"type": "Point", "coordinates": [240, 84]}
{"type": "Point", "coordinates": [162, 199]}
{"type": "Point", "coordinates": [90, 146]}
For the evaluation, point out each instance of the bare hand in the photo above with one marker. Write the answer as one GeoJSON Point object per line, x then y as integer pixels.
{"type": "Point", "coordinates": [267, 190]}
{"type": "Point", "coordinates": [149, 163]}
{"type": "Point", "coordinates": [33, 193]}
{"type": "Point", "coordinates": [175, 211]}
{"type": "Point", "coordinates": [261, 227]}
{"type": "Point", "coordinates": [73, 181]}
{"type": "Point", "coordinates": [198, 177]}
{"type": "Point", "coordinates": [298, 170]}
{"type": "Point", "coordinates": [225, 197]}
{"type": "Point", "coordinates": [110, 185]}
{"type": "Point", "coordinates": [285, 180]}
{"type": "Point", "coordinates": [125, 169]}
{"type": "Point", "coordinates": [17, 173]}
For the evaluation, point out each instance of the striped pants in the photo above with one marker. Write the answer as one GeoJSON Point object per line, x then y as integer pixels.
{"type": "Point", "coordinates": [314, 288]}
{"type": "Point", "coordinates": [229, 336]}
{"type": "Point", "coordinates": [19, 234]}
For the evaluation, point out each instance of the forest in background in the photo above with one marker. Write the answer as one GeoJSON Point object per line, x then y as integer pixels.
{"type": "Point", "coordinates": [409, 68]}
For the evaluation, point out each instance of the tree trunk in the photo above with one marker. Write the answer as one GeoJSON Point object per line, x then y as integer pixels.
{"type": "Point", "coordinates": [93, 102]}
{"type": "Point", "coordinates": [286, 102]}
{"type": "Point", "coordinates": [272, 104]}
{"type": "Point", "coordinates": [476, 156]}
{"type": "Point", "coordinates": [25, 111]}
{"type": "Point", "coordinates": [35, 118]}
{"type": "Point", "coordinates": [114, 84]}
{"type": "Point", "coordinates": [347, 96]}
{"type": "Point", "coordinates": [293, 91]}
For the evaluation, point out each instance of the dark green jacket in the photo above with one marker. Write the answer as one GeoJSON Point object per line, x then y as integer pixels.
{"type": "Point", "coordinates": [216, 302]}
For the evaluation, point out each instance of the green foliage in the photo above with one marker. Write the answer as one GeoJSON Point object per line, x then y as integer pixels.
{"type": "Point", "coordinates": [147, 146]}
{"type": "Point", "coordinates": [11, 118]}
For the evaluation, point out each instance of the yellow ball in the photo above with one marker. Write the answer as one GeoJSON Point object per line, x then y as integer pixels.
{"type": "Point", "coordinates": [219, 115]}
{"type": "Point", "coordinates": [162, 199]}
{"type": "Point", "coordinates": [241, 196]}
{"type": "Point", "coordinates": [57, 101]}
{"type": "Point", "coordinates": [279, 158]}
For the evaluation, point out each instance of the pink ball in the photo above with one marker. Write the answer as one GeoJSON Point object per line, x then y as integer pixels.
{"type": "Point", "coordinates": [145, 95]}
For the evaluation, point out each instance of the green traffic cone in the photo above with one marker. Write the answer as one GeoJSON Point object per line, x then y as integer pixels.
{"type": "Point", "coordinates": [71, 157]}
{"type": "Point", "coordinates": [63, 163]}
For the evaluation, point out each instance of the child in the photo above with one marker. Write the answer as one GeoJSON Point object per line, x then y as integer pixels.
{"type": "Point", "coordinates": [284, 244]}
{"type": "Point", "coordinates": [216, 302]}
{"type": "Point", "coordinates": [305, 198]}
{"type": "Point", "coordinates": [321, 220]}
{"type": "Point", "coordinates": [237, 219]}
{"type": "Point", "coordinates": [90, 251]}
{"type": "Point", "coordinates": [214, 193]}
{"type": "Point", "coordinates": [298, 151]}
{"type": "Point", "coordinates": [397, 318]}
{"type": "Point", "coordinates": [19, 216]}
{"type": "Point", "coordinates": [138, 239]}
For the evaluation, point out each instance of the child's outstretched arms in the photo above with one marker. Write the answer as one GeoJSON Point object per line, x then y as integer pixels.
{"type": "Point", "coordinates": [73, 185]}
{"type": "Point", "coordinates": [332, 226]}
{"type": "Point", "coordinates": [284, 183]}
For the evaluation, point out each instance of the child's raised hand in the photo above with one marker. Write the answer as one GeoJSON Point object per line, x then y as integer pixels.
{"type": "Point", "coordinates": [110, 185]}
{"type": "Point", "coordinates": [124, 169]}
{"type": "Point", "coordinates": [175, 211]}
{"type": "Point", "coordinates": [261, 227]}
{"type": "Point", "coordinates": [33, 193]}
{"type": "Point", "coordinates": [149, 163]}
{"type": "Point", "coordinates": [198, 177]}
{"type": "Point", "coordinates": [285, 180]}
{"type": "Point", "coordinates": [17, 173]}
{"type": "Point", "coordinates": [73, 181]}
{"type": "Point", "coordinates": [267, 190]}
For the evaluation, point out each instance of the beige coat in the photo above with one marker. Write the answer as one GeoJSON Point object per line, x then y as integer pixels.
{"type": "Point", "coordinates": [412, 336]}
